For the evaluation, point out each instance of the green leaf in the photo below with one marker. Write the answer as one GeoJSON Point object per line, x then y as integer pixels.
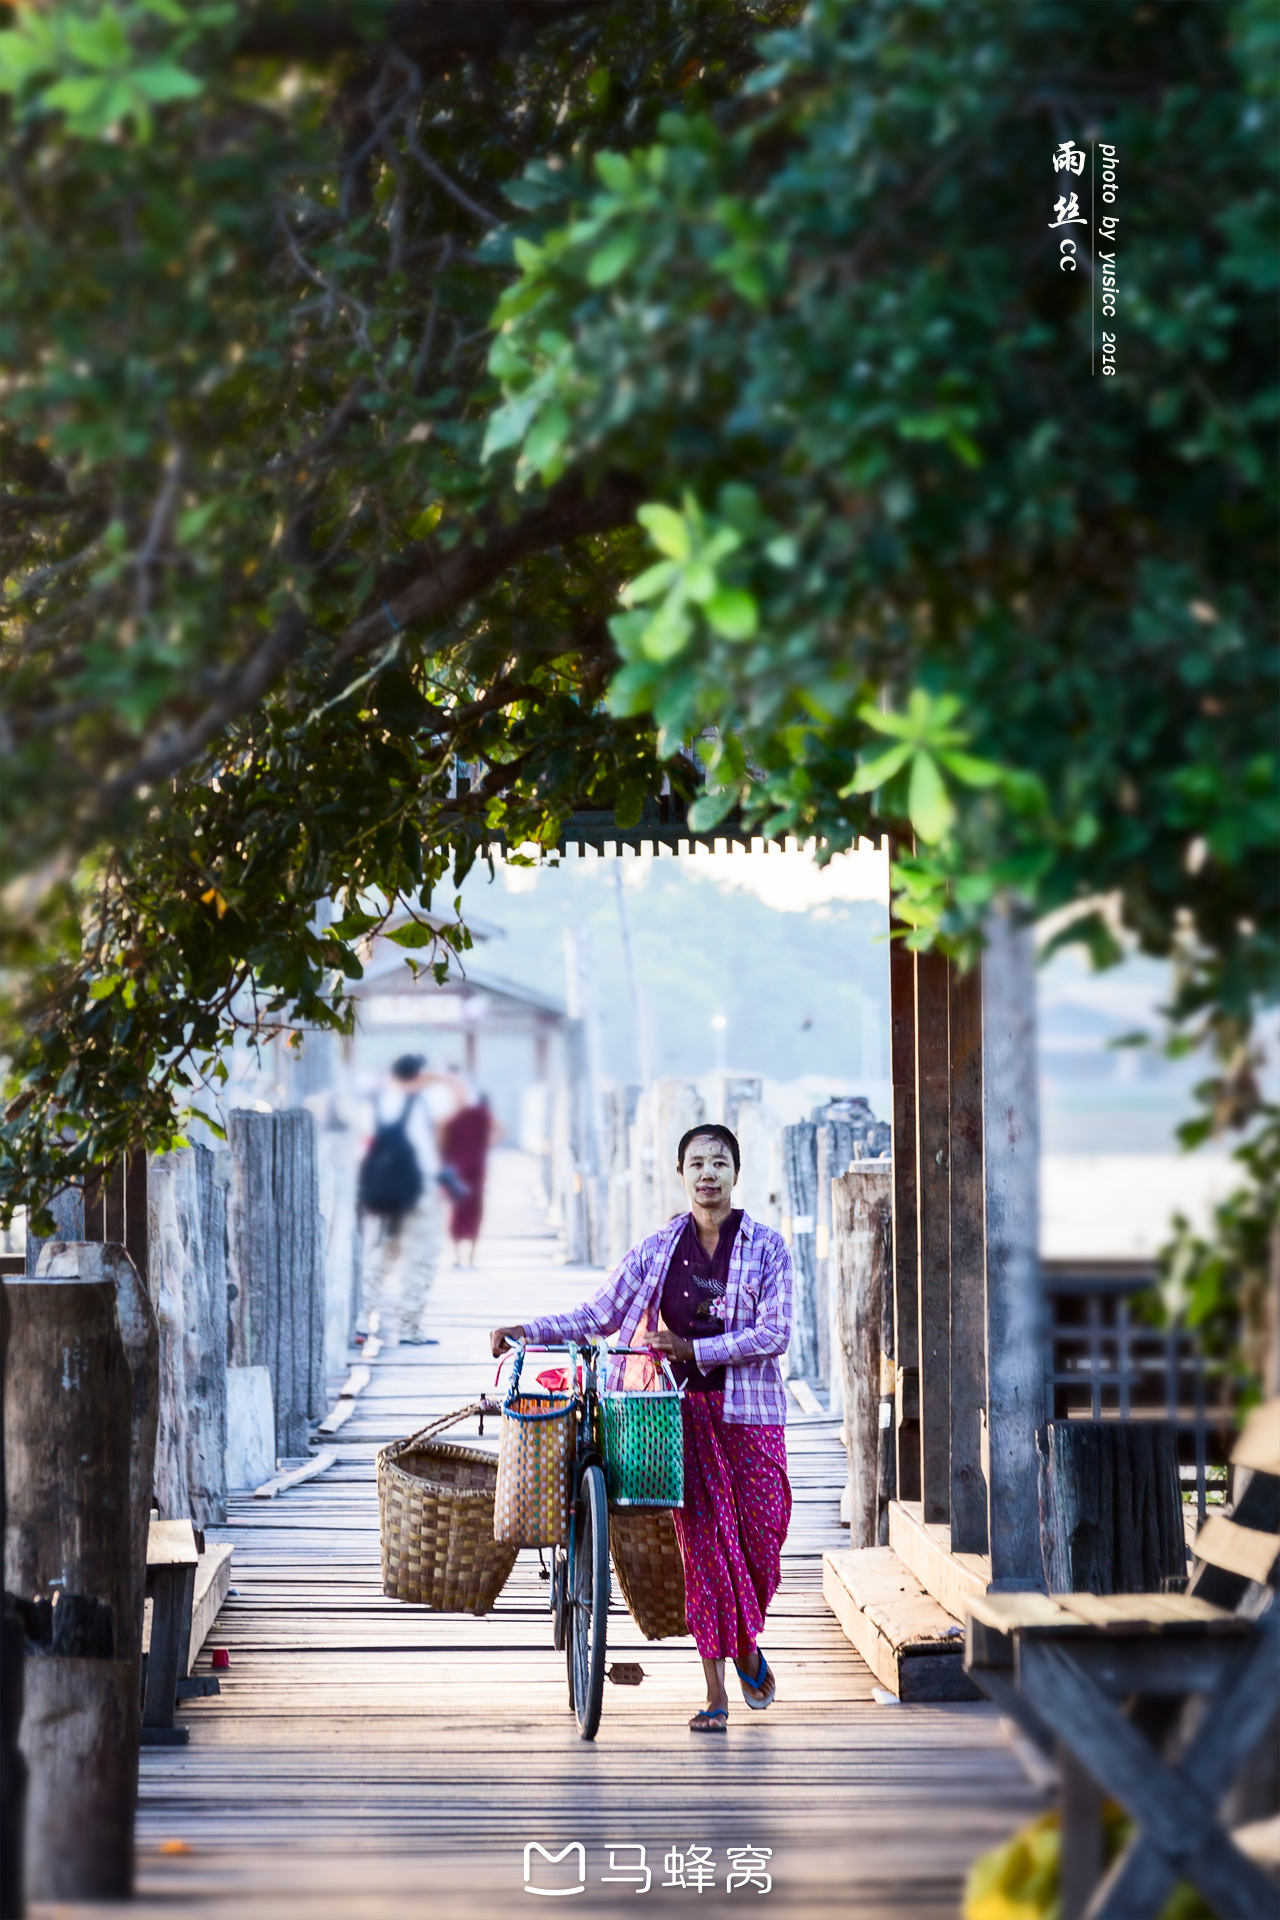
{"type": "Point", "coordinates": [413, 935]}
{"type": "Point", "coordinates": [166, 82]}
{"type": "Point", "coordinates": [928, 802]}
{"type": "Point", "coordinates": [546, 438]}
{"type": "Point", "coordinates": [732, 612]}
{"type": "Point", "coordinates": [668, 632]}
{"type": "Point", "coordinates": [709, 809]}
{"type": "Point", "coordinates": [631, 691]}
{"type": "Point", "coordinates": [103, 989]}
{"type": "Point", "coordinates": [101, 42]}
{"type": "Point", "coordinates": [616, 171]}
{"type": "Point", "coordinates": [667, 530]}
{"type": "Point", "coordinates": [973, 772]}
{"type": "Point", "coordinates": [628, 630]}
{"type": "Point", "coordinates": [653, 581]}
{"type": "Point", "coordinates": [613, 258]}
{"type": "Point", "coordinates": [876, 773]}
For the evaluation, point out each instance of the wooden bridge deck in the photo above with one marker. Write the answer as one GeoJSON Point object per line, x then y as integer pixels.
{"type": "Point", "coordinates": [367, 1760]}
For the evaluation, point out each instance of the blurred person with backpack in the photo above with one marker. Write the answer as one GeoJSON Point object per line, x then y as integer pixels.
{"type": "Point", "coordinates": [399, 1188]}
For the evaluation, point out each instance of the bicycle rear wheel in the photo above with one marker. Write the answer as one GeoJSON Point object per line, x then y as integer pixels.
{"type": "Point", "coordinates": [589, 1591]}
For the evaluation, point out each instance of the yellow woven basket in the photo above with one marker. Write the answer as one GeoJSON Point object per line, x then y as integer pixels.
{"type": "Point", "coordinates": [435, 1500]}
{"type": "Point", "coordinates": [531, 1504]}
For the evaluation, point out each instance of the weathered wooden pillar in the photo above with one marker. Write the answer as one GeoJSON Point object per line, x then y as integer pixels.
{"type": "Point", "coordinates": [276, 1280]}
{"type": "Point", "coordinates": [862, 1267]}
{"type": "Point", "coordinates": [79, 1436]}
{"type": "Point", "coordinates": [933, 1203]}
{"type": "Point", "coordinates": [1011, 1144]}
{"type": "Point", "coordinates": [115, 1207]}
{"type": "Point", "coordinates": [13, 1768]}
{"type": "Point", "coordinates": [968, 1267]}
{"type": "Point", "coordinates": [902, 1028]}
{"type": "Point", "coordinates": [800, 1161]}
{"type": "Point", "coordinates": [188, 1287]}
{"type": "Point", "coordinates": [830, 1364]}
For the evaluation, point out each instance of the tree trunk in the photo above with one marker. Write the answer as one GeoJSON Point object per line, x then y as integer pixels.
{"type": "Point", "coordinates": [80, 1423]}
{"type": "Point", "coordinates": [1011, 1149]}
{"type": "Point", "coordinates": [276, 1265]}
{"type": "Point", "coordinates": [862, 1262]}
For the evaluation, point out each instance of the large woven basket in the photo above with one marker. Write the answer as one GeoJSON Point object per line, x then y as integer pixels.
{"type": "Point", "coordinates": [650, 1572]}
{"type": "Point", "coordinates": [436, 1504]}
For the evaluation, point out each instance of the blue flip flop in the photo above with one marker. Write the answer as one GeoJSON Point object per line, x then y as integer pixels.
{"type": "Point", "coordinates": [752, 1687]}
{"type": "Point", "coordinates": [710, 1720]}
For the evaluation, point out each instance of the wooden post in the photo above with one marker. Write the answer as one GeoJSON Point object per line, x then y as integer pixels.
{"type": "Point", "coordinates": [115, 1207]}
{"type": "Point", "coordinates": [933, 1202]}
{"type": "Point", "coordinates": [862, 1250]}
{"type": "Point", "coordinates": [1011, 1147]}
{"type": "Point", "coordinates": [800, 1160]}
{"type": "Point", "coordinates": [79, 1435]}
{"type": "Point", "coordinates": [830, 1367]}
{"type": "Point", "coordinates": [169, 1229]}
{"type": "Point", "coordinates": [968, 1267]}
{"type": "Point", "coordinates": [67, 1209]}
{"type": "Point", "coordinates": [188, 1287]}
{"type": "Point", "coordinates": [275, 1247]}
{"type": "Point", "coordinates": [13, 1639]}
{"type": "Point", "coordinates": [902, 1027]}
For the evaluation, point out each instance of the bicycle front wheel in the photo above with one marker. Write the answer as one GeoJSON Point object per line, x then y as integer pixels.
{"type": "Point", "coordinates": [589, 1613]}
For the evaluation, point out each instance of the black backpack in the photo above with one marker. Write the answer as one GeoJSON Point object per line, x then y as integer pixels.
{"type": "Point", "coordinates": [390, 1177]}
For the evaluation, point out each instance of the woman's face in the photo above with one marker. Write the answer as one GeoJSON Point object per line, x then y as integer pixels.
{"type": "Point", "coordinates": [708, 1173]}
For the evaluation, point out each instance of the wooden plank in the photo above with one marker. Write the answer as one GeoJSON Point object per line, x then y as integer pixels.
{"type": "Point", "coordinates": [953, 1582]}
{"type": "Point", "coordinates": [171, 1543]}
{"type": "Point", "coordinates": [212, 1584]}
{"type": "Point", "coordinates": [905, 1637]}
{"type": "Point", "coordinates": [307, 1471]}
{"type": "Point", "coordinates": [1259, 1443]}
{"type": "Point", "coordinates": [933, 1230]}
{"type": "Point", "coordinates": [1131, 1613]}
{"type": "Point", "coordinates": [355, 1383]}
{"type": "Point", "coordinates": [1237, 1549]}
{"type": "Point", "coordinates": [337, 1416]}
{"type": "Point", "coordinates": [902, 1020]}
{"type": "Point", "coordinates": [968, 1515]}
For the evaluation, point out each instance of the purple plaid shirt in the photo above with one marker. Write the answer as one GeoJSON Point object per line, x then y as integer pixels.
{"type": "Point", "coordinates": [757, 1318]}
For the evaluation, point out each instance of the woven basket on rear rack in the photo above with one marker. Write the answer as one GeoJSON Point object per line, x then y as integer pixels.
{"type": "Point", "coordinates": [647, 1562]}
{"type": "Point", "coordinates": [436, 1504]}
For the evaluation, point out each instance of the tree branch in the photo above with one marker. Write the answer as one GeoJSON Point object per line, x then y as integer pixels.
{"type": "Point", "coordinates": [450, 581]}
{"type": "Point", "coordinates": [570, 514]}
{"type": "Point", "coordinates": [284, 643]}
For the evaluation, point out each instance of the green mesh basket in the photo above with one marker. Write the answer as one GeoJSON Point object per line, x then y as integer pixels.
{"type": "Point", "coordinates": [642, 1439]}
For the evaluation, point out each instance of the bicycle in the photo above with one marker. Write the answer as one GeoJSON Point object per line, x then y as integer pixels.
{"type": "Point", "coordinates": [580, 1578]}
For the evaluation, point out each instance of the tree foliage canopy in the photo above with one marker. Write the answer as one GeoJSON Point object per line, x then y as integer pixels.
{"type": "Point", "coordinates": [585, 395]}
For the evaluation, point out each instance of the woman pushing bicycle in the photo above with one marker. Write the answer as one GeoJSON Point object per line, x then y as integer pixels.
{"type": "Point", "coordinates": [712, 1291]}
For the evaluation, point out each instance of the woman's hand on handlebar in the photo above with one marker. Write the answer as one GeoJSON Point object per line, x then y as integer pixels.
{"type": "Point", "coordinates": [502, 1339]}
{"type": "Point", "coordinates": [674, 1345]}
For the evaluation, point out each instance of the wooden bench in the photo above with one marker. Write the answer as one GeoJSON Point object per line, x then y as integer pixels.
{"type": "Point", "coordinates": [1104, 1682]}
{"type": "Point", "coordinates": [172, 1558]}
